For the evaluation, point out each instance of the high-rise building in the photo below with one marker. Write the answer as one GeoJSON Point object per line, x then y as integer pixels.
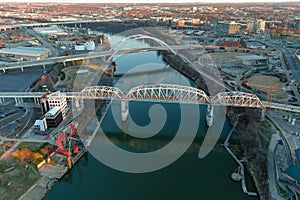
{"type": "Point", "coordinates": [228, 28]}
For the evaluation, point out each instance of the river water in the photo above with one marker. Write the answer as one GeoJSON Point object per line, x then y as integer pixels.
{"type": "Point", "coordinates": [187, 178]}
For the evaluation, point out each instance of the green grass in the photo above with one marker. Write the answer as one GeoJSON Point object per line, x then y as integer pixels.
{"type": "Point", "coordinates": [265, 128]}
{"type": "Point", "coordinates": [4, 147]}
{"type": "Point", "coordinates": [282, 191]}
{"type": "Point", "coordinates": [71, 73]}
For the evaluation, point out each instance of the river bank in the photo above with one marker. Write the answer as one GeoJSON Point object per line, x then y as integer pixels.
{"type": "Point", "coordinates": [253, 153]}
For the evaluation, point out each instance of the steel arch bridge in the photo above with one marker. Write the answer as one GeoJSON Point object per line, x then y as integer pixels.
{"type": "Point", "coordinates": [168, 92]}
{"type": "Point", "coordinates": [101, 92]}
{"type": "Point", "coordinates": [137, 37]}
{"type": "Point", "coordinates": [159, 92]}
{"type": "Point", "coordinates": [240, 99]}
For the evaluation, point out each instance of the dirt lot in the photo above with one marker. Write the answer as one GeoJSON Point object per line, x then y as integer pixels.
{"type": "Point", "coordinates": [16, 181]}
{"type": "Point", "coordinates": [18, 172]}
{"type": "Point", "coordinates": [265, 80]}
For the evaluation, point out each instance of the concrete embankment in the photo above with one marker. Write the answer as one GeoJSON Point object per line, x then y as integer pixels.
{"type": "Point", "coordinates": [178, 63]}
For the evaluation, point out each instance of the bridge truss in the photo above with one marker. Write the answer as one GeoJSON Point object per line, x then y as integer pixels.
{"type": "Point", "coordinates": [240, 99]}
{"type": "Point", "coordinates": [163, 93]}
{"type": "Point", "coordinates": [168, 92]}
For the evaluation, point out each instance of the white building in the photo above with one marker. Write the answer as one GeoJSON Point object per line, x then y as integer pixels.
{"type": "Point", "coordinates": [59, 100]}
{"type": "Point", "coordinates": [49, 31]}
{"type": "Point", "coordinates": [89, 46]}
{"type": "Point", "coordinates": [41, 124]}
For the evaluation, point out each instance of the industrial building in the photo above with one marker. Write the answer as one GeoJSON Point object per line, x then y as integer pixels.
{"type": "Point", "coordinates": [232, 42]}
{"type": "Point", "coordinates": [88, 46]}
{"type": "Point", "coordinates": [49, 31]}
{"type": "Point", "coordinates": [25, 53]}
{"type": "Point", "coordinates": [254, 60]}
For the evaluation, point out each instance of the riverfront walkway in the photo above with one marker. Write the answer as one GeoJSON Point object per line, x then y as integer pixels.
{"type": "Point", "coordinates": [243, 181]}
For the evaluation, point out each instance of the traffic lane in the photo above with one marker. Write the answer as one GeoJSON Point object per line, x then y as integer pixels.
{"type": "Point", "coordinates": [296, 75]}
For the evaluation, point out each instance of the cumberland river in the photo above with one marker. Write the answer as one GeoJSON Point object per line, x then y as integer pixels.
{"type": "Point", "coordinates": [187, 178]}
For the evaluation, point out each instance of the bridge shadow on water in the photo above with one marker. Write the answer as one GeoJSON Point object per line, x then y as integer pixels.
{"type": "Point", "coordinates": [139, 112]}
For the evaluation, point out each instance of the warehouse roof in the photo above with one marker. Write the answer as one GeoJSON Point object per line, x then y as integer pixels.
{"type": "Point", "coordinates": [252, 57]}
{"type": "Point", "coordinates": [24, 51]}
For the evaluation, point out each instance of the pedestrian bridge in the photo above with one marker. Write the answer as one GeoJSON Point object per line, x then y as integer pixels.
{"type": "Point", "coordinates": [156, 93]}
{"type": "Point", "coordinates": [174, 93]}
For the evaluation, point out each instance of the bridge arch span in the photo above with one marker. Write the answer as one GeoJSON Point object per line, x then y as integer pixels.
{"type": "Point", "coordinates": [239, 99]}
{"type": "Point", "coordinates": [168, 92]}
{"type": "Point", "coordinates": [137, 37]}
{"type": "Point", "coordinates": [101, 92]}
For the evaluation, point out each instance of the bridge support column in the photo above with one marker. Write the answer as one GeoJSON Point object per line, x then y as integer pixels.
{"type": "Point", "coordinates": [79, 104]}
{"type": "Point", "coordinates": [263, 114]}
{"type": "Point", "coordinates": [18, 101]}
{"type": "Point", "coordinates": [124, 110]}
{"type": "Point", "coordinates": [64, 64]}
{"type": "Point", "coordinates": [36, 101]}
{"type": "Point", "coordinates": [1, 100]}
{"type": "Point", "coordinates": [209, 115]}
{"type": "Point", "coordinates": [22, 69]}
{"type": "Point", "coordinates": [44, 66]}
{"type": "Point", "coordinates": [4, 71]}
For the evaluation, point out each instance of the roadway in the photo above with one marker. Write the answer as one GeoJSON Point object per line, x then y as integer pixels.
{"type": "Point", "coordinates": [54, 51]}
{"type": "Point", "coordinates": [64, 59]}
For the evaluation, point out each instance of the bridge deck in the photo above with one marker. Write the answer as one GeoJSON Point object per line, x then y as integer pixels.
{"type": "Point", "coordinates": [161, 93]}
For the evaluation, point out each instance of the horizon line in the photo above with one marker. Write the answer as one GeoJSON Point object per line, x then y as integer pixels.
{"type": "Point", "coordinates": [150, 1]}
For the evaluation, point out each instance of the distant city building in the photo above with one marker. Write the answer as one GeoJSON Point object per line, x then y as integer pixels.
{"type": "Point", "coordinates": [49, 31]}
{"type": "Point", "coordinates": [232, 42]}
{"type": "Point", "coordinates": [25, 53]}
{"type": "Point", "coordinates": [228, 28]}
{"type": "Point", "coordinates": [260, 25]}
{"type": "Point", "coordinates": [63, 19]}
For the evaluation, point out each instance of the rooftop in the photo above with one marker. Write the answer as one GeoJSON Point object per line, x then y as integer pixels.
{"type": "Point", "coordinates": [53, 111]}
{"type": "Point", "coordinates": [252, 57]}
{"type": "Point", "coordinates": [294, 170]}
{"type": "Point", "coordinates": [24, 51]}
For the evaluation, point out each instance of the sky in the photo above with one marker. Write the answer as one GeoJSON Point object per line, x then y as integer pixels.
{"type": "Point", "coordinates": [147, 1]}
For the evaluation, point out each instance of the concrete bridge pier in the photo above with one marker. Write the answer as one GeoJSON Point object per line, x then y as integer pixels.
{"type": "Point", "coordinates": [18, 101]}
{"type": "Point", "coordinates": [1, 100]}
{"type": "Point", "coordinates": [263, 114]}
{"type": "Point", "coordinates": [36, 101]}
{"type": "Point", "coordinates": [64, 64]}
{"type": "Point", "coordinates": [209, 115]}
{"type": "Point", "coordinates": [124, 110]}
{"type": "Point", "coordinates": [22, 69]}
{"type": "Point", "coordinates": [44, 66]}
{"type": "Point", "coordinates": [78, 104]}
{"type": "Point", "coordinates": [4, 71]}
